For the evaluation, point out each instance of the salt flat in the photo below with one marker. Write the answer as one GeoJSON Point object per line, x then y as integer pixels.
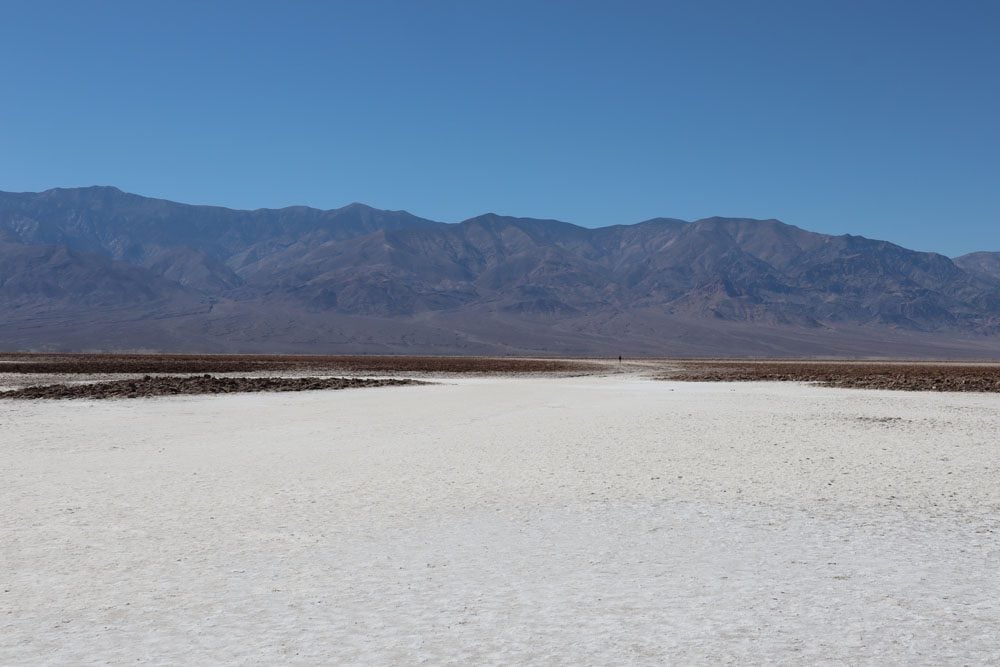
{"type": "Point", "coordinates": [588, 520]}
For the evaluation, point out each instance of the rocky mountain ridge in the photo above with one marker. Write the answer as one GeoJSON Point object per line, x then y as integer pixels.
{"type": "Point", "coordinates": [97, 268]}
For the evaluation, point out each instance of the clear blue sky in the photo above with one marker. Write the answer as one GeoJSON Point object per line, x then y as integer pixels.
{"type": "Point", "coordinates": [872, 118]}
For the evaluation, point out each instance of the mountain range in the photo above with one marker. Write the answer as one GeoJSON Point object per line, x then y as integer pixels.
{"type": "Point", "coordinates": [100, 269]}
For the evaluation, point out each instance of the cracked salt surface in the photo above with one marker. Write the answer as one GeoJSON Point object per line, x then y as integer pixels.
{"type": "Point", "coordinates": [504, 520]}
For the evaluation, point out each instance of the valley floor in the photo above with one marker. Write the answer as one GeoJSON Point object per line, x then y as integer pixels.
{"type": "Point", "coordinates": [550, 520]}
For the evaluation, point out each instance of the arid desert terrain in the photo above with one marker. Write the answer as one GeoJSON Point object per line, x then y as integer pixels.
{"type": "Point", "coordinates": [581, 514]}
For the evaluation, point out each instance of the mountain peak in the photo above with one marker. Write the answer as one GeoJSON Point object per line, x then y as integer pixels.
{"type": "Point", "coordinates": [736, 220]}
{"type": "Point", "coordinates": [88, 189]}
{"type": "Point", "coordinates": [497, 219]}
{"type": "Point", "coordinates": [357, 206]}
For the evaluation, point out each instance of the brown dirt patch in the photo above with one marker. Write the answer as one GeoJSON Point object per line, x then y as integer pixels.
{"type": "Point", "coordinates": [934, 376]}
{"type": "Point", "coordinates": [202, 384]}
{"type": "Point", "coordinates": [149, 363]}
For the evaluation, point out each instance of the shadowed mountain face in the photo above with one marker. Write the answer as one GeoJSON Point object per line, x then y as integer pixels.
{"type": "Point", "coordinates": [985, 265]}
{"type": "Point", "coordinates": [96, 268]}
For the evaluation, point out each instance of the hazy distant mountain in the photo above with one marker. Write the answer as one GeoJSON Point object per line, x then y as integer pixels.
{"type": "Point", "coordinates": [97, 268]}
{"type": "Point", "coordinates": [983, 264]}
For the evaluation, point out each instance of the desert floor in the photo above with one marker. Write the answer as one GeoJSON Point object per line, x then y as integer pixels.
{"type": "Point", "coordinates": [551, 520]}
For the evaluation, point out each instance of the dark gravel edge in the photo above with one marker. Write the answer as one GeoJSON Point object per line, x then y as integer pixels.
{"type": "Point", "coordinates": [90, 364]}
{"type": "Point", "coordinates": [148, 387]}
{"type": "Point", "coordinates": [896, 377]}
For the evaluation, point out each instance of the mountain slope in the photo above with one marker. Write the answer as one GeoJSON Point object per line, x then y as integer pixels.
{"type": "Point", "coordinates": [985, 265]}
{"type": "Point", "coordinates": [186, 243]}
{"type": "Point", "coordinates": [58, 277]}
{"type": "Point", "coordinates": [359, 279]}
